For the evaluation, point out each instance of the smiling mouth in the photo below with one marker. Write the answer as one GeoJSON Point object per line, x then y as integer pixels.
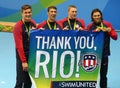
{"type": "Point", "coordinates": [28, 17]}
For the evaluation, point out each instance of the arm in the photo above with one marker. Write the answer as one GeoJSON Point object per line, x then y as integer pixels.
{"type": "Point", "coordinates": [81, 21]}
{"type": "Point", "coordinates": [89, 26]}
{"type": "Point", "coordinates": [111, 31]}
{"type": "Point", "coordinates": [83, 24]}
{"type": "Point", "coordinates": [17, 32]}
{"type": "Point", "coordinates": [61, 23]}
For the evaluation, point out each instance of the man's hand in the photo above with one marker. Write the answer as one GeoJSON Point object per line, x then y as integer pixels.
{"type": "Point", "coordinates": [25, 66]}
{"type": "Point", "coordinates": [97, 29]}
{"type": "Point", "coordinates": [106, 29]}
{"type": "Point", "coordinates": [42, 28]}
{"type": "Point", "coordinates": [80, 28]}
{"type": "Point", "coordinates": [65, 28]}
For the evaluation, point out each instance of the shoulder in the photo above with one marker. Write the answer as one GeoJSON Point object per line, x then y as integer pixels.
{"type": "Point", "coordinates": [59, 24]}
{"type": "Point", "coordinates": [107, 23]}
{"type": "Point", "coordinates": [79, 19]}
{"type": "Point", "coordinates": [42, 24]}
{"type": "Point", "coordinates": [63, 20]}
{"type": "Point", "coordinates": [19, 23]}
{"type": "Point", "coordinates": [89, 25]}
{"type": "Point", "coordinates": [32, 21]}
{"type": "Point", "coordinates": [18, 26]}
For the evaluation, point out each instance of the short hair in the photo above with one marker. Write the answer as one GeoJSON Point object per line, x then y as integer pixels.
{"type": "Point", "coordinates": [26, 6]}
{"type": "Point", "coordinates": [71, 6]}
{"type": "Point", "coordinates": [96, 10]}
{"type": "Point", "coordinates": [51, 7]}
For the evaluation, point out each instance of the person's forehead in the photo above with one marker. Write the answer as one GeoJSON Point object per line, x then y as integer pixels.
{"type": "Point", "coordinates": [72, 9]}
{"type": "Point", "coordinates": [96, 13]}
{"type": "Point", "coordinates": [52, 9]}
{"type": "Point", "coordinates": [27, 10]}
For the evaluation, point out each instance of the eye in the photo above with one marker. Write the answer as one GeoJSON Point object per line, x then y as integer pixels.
{"type": "Point", "coordinates": [98, 15]}
{"type": "Point", "coordinates": [29, 12]}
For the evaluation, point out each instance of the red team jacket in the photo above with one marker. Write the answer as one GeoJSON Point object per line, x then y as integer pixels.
{"type": "Point", "coordinates": [79, 23]}
{"type": "Point", "coordinates": [22, 40]}
{"type": "Point", "coordinates": [107, 35]}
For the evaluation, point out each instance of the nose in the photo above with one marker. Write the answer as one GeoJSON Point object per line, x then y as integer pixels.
{"type": "Point", "coordinates": [53, 12]}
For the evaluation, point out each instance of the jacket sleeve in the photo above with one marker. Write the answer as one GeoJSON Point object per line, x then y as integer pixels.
{"type": "Point", "coordinates": [112, 33]}
{"type": "Point", "coordinates": [41, 25]}
{"type": "Point", "coordinates": [83, 24]}
{"type": "Point", "coordinates": [17, 33]}
{"type": "Point", "coordinates": [88, 27]}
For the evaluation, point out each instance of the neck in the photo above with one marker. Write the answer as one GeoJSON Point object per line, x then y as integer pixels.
{"type": "Point", "coordinates": [71, 18]}
{"type": "Point", "coordinates": [50, 20]}
{"type": "Point", "coordinates": [25, 20]}
{"type": "Point", "coordinates": [98, 24]}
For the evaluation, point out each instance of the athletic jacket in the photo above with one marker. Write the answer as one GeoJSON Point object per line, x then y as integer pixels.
{"type": "Point", "coordinates": [21, 38]}
{"type": "Point", "coordinates": [79, 23]}
{"type": "Point", "coordinates": [107, 35]}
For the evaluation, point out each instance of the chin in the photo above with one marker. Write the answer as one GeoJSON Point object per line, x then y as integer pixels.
{"type": "Point", "coordinates": [27, 20]}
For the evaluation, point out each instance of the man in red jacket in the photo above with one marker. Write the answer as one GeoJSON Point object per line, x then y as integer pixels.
{"type": "Point", "coordinates": [71, 22]}
{"type": "Point", "coordinates": [21, 36]}
{"type": "Point", "coordinates": [50, 23]}
{"type": "Point", "coordinates": [98, 24]}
